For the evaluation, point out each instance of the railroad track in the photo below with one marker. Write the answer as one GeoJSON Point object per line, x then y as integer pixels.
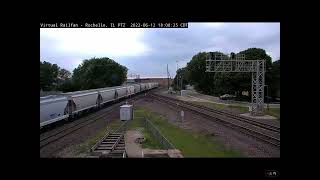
{"type": "Point", "coordinates": [257, 130]}
{"type": "Point", "coordinates": [235, 116]}
{"type": "Point", "coordinates": [69, 129]}
{"type": "Point", "coordinates": [112, 145]}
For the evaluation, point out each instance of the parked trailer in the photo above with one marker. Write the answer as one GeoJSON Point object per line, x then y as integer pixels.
{"type": "Point", "coordinates": [52, 110]}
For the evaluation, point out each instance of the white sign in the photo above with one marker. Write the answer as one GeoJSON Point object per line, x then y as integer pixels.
{"type": "Point", "coordinates": [182, 116]}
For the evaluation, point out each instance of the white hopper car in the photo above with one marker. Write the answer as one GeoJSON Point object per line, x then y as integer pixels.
{"type": "Point", "coordinates": [65, 105]}
{"type": "Point", "coordinates": [52, 110]}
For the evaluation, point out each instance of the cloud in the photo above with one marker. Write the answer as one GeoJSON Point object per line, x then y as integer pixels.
{"type": "Point", "coordinates": [74, 44]}
{"type": "Point", "coordinates": [212, 25]}
{"type": "Point", "coordinates": [148, 51]}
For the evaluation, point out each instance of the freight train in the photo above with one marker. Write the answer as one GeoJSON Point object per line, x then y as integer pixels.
{"type": "Point", "coordinates": [55, 108]}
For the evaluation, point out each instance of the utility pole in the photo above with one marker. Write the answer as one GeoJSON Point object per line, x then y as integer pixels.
{"type": "Point", "coordinates": [181, 82]}
{"type": "Point", "coordinates": [168, 76]}
{"type": "Point", "coordinates": [177, 83]}
{"type": "Point", "coordinates": [267, 96]}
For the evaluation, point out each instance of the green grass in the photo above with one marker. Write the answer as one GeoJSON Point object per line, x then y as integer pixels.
{"type": "Point", "coordinates": [137, 124]}
{"type": "Point", "coordinates": [189, 143]}
{"type": "Point", "coordinates": [240, 108]}
{"type": "Point", "coordinates": [150, 142]}
{"type": "Point", "coordinates": [83, 149]}
{"type": "Point", "coordinates": [213, 105]}
{"type": "Point", "coordinates": [272, 111]}
{"type": "Point", "coordinates": [222, 106]}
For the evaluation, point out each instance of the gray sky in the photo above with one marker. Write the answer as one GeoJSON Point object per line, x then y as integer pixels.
{"type": "Point", "coordinates": [148, 51]}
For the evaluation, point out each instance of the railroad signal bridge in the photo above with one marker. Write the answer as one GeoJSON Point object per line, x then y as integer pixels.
{"type": "Point", "coordinates": [238, 63]}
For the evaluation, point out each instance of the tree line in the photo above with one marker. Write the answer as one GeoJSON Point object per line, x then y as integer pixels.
{"type": "Point", "coordinates": [90, 74]}
{"type": "Point", "coordinates": [219, 83]}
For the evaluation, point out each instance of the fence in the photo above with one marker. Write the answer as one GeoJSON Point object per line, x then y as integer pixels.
{"type": "Point", "coordinates": [144, 122]}
{"type": "Point", "coordinates": [156, 133]}
{"type": "Point", "coordinates": [122, 128]}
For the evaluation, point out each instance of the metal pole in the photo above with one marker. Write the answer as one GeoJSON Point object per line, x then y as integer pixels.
{"type": "Point", "coordinates": [267, 97]}
{"type": "Point", "coordinates": [181, 79]}
{"type": "Point", "coordinates": [177, 82]}
{"type": "Point", "coordinates": [182, 115]}
{"type": "Point", "coordinates": [176, 75]}
{"type": "Point", "coordinates": [168, 76]}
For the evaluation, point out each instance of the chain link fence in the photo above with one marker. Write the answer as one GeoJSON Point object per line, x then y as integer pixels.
{"type": "Point", "coordinates": [156, 133]}
{"type": "Point", "coordinates": [146, 123]}
{"type": "Point", "coordinates": [122, 128]}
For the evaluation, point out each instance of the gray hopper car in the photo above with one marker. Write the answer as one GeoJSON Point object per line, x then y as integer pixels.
{"type": "Point", "coordinates": [59, 107]}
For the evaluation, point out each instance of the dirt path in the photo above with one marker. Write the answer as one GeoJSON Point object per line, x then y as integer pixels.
{"type": "Point", "coordinates": [133, 149]}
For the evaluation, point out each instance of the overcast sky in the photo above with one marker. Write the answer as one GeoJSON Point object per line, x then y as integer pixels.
{"type": "Point", "coordinates": [148, 51]}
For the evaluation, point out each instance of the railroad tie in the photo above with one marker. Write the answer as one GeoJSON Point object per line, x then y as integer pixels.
{"type": "Point", "coordinates": [112, 146]}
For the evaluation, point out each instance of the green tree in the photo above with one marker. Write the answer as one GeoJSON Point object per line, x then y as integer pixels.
{"type": "Point", "coordinates": [257, 54]}
{"type": "Point", "coordinates": [222, 83]}
{"type": "Point", "coordinates": [67, 86]}
{"type": "Point", "coordinates": [64, 74]}
{"type": "Point", "coordinates": [65, 82]}
{"type": "Point", "coordinates": [182, 73]}
{"type": "Point", "coordinates": [275, 84]}
{"type": "Point", "coordinates": [48, 76]}
{"type": "Point", "coordinates": [98, 73]}
{"type": "Point", "coordinates": [197, 75]}
{"type": "Point", "coordinates": [236, 83]}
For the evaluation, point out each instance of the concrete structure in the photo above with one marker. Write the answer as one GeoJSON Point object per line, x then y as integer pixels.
{"type": "Point", "coordinates": [163, 81]}
{"type": "Point", "coordinates": [133, 149]}
{"type": "Point", "coordinates": [184, 92]}
{"type": "Point", "coordinates": [159, 153]}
